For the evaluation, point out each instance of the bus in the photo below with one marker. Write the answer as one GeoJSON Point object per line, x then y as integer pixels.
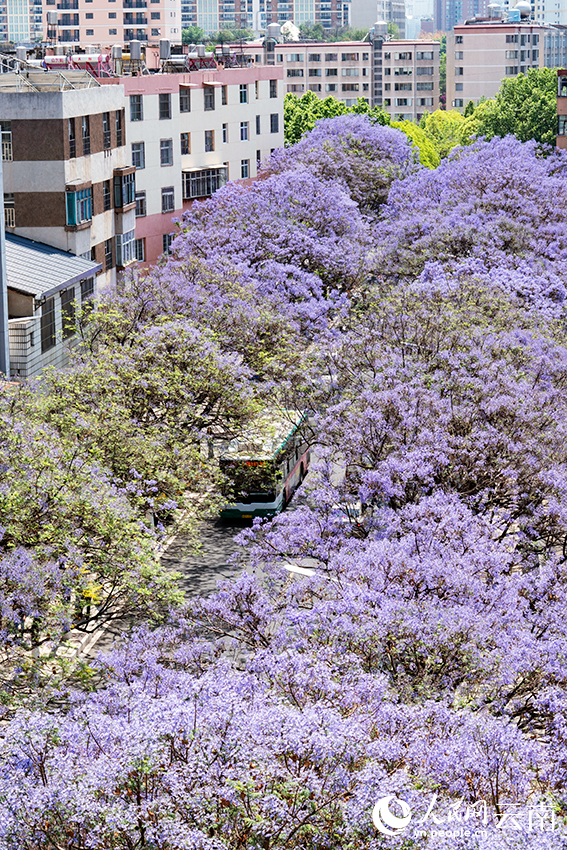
{"type": "Point", "coordinates": [265, 465]}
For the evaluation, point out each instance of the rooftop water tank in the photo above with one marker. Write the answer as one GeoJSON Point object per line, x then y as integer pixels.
{"type": "Point", "coordinates": [524, 8]}
{"type": "Point", "coordinates": [380, 28]}
{"type": "Point", "coordinates": [273, 31]}
{"type": "Point", "coordinates": [21, 53]}
{"type": "Point", "coordinates": [136, 51]}
{"type": "Point", "coordinates": [164, 48]}
{"type": "Point", "coordinates": [116, 51]}
{"type": "Point", "coordinates": [201, 50]}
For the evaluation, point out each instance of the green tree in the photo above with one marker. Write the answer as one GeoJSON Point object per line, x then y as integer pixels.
{"type": "Point", "coordinates": [313, 31]}
{"type": "Point", "coordinates": [428, 153]}
{"type": "Point", "coordinates": [444, 129]}
{"type": "Point", "coordinates": [525, 106]}
{"type": "Point", "coordinates": [469, 109]}
{"type": "Point", "coordinates": [193, 35]}
{"type": "Point", "coordinates": [301, 113]}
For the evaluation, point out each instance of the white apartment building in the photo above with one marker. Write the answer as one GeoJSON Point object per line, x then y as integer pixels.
{"type": "Point", "coordinates": [480, 55]}
{"type": "Point", "coordinates": [410, 78]}
{"type": "Point", "coordinates": [187, 134]}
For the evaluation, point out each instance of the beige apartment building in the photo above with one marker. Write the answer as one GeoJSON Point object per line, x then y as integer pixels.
{"type": "Point", "coordinates": [480, 55]}
{"type": "Point", "coordinates": [410, 72]}
{"type": "Point", "coordinates": [348, 70]}
{"type": "Point", "coordinates": [107, 22]}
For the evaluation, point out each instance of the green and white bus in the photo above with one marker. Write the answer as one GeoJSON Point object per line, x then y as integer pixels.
{"type": "Point", "coordinates": [264, 465]}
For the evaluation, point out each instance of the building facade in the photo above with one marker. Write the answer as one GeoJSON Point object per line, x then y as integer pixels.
{"type": "Point", "coordinates": [400, 76]}
{"type": "Point", "coordinates": [562, 109]}
{"type": "Point", "coordinates": [410, 79]}
{"type": "Point", "coordinates": [21, 21]}
{"type": "Point", "coordinates": [108, 22]}
{"type": "Point", "coordinates": [480, 55]}
{"type": "Point", "coordinates": [68, 179]}
{"type": "Point", "coordinates": [188, 133]}
{"type": "Point", "coordinates": [450, 13]}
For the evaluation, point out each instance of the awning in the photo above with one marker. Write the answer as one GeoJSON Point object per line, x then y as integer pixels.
{"type": "Point", "coordinates": [205, 83]}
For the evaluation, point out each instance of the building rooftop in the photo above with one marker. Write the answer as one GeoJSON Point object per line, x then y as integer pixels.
{"type": "Point", "coordinates": [33, 268]}
{"type": "Point", "coordinates": [33, 80]}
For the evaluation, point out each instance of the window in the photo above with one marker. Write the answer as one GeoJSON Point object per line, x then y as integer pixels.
{"type": "Point", "coordinates": [314, 72]}
{"type": "Point", "coordinates": [243, 93]}
{"type": "Point", "coordinates": [112, 32]}
{"type": "Point", "coordinates": [224, 133]}
{"type": "Point", "coordinates": [167, 199]}
{"type": "Point", "coordinates": [209, 95]}
{"type": "Point", "coordinates": [166, 152]}
{"type": "Point", "coordinates": [184, 99]}
{"type": "Point", "coordinates": [274, 123]}
{"type": "Point", "coordinates": [124, 189]}
{"type": "Point", "coordinates": [155, 31]}
{"type": "Point", "coordinates": [90, 32]}
{"type": "Point", "coordinates": [425, 54]}
{"type": "Point", "coordinates": [202, 183]}
{"type": "Point", "coordinates": [89, 16]}
{"type": "Point", "coordinates": [331, 72]}
{"type": "Point", "coordinates": [223, 96]}
{"type": "Point", "coordinates": [48, 324]}
{"type": "Point", "coordinates": [406, 72]}
{"type": "Point", "coordinates": [244, 168]}
{"type": "Point", "coordinates": [164, 105]}
{"type": "Point", "coordinates": [106, 129]}
{"type": "Point", "coordinates": [86, 133]}
{"type": "Point", "coordinates": [136, 108]}
{"type": "Point", "coordinates": [511, 70]}
{"type": "Point", "coordinates": [244, 131]}
{"type": "Point", "coordinates": [72, 141]}
{"type": "Point", "coordinates": [512, 39]}
{"type": "Point", "coordinates": [257, 89]}
{"type": "Point", "coordinates": [428, 72]}
{"type": "Point", "coordinates": [273, 88]}
{"type": "Point", "coordinates": [209, 140]}
{"type": "Point", "coordinates": [106, 196]}
{"type": "Point", "coordinates": [79, 206]}
{"type": "Point", "coordinates": [402, 56]}
{"type": "Point", "coordinates": [294, 57]}
{"type": "Point", "coordinates": [166, 242]}
{"type": "Point", "coordinates": [258, 157]}
{"type": "Point", "coordinates": [331, 86]}
{"type": "Point", "coordinates": [68, 312]}
{"type": "Point", "coordinates": [295, 72]}
{"type": "Point", "coordinates": [155, 16]}
{"type": "Point", "coordinates": [350, 72]}
{"type": "Point", "coordinates": [458, 54]}
{"type": "Point", "coordinates": [139, 155]}
{"type": "Point", "coordinates": [118, 125]}
{"type": "Point", "coordinates": [350, 57]}
{"type": "Point", "coordinates": [562, 125]}
{"type": "Point", "coordinates": [459, 86]}
{"type": "Point", "coordinates": [458, 39]}
{"type": "Point", "coordinates": [458, 102]}
{"type": "Point", "coordinates": [125, 248]}
{"type": "Point", "coordinates": [331, 57]}
{"type": "Point", "coordinates": [140, 250]}
{"type": "Point", "coordinates": [402, 86]}
{"type": "Point", "coordinates": [107, 256]}
{"type": "Point", "coordinates": [314, 57]}
{"type": "Point", "coordinates": [112, 15]}
{"type": "Point", "coordinates": [87, 288]}
{"type": "Point", "coordinates": [511, 54]}
{"type": "Point", "coordinates": [185, 139]}
{"type": "Point", "coordinates": [425, 86]}
{"type": "Point", "coordinates": [349, 87]}
{"type": "Point", "coordinates": [140, 198]}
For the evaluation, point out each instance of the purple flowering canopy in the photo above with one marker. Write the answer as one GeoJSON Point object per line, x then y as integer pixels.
{"type": "Point", "coordinates": [403, 630]}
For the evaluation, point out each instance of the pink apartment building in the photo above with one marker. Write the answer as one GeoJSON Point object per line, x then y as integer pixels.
{"type": "Point", "coordinates": [108, 22]}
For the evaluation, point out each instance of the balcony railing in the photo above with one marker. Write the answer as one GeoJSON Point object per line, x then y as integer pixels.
{"type": "Point", "coordinates": [68, 4]}
{"type": "Point", "coordinates": [9, 217]}
{"type": "Point", "coordinates": [7, 152]}
{"type": "Point", "coordinates": [134, 20]}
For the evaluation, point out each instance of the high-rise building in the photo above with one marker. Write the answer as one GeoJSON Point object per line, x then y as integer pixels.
{"type": "Point", "coordinates": [393, 12]}
{"type": "Point", "coordinates": [549, 12]}
{"type": "Point", "coordinates": [21, 21]}
{"type": "Point", "coordinates": [450, 13]}
{"type": "Point", "coordinates": [107, 22]}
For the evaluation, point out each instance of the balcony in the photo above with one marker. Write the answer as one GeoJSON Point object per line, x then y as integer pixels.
{"type": "Point", "coordinates": [134, 4]}
{"type": "Point", "coordinates": [134, 20]}
{"type": "Point", "coordinates": [68, 4]}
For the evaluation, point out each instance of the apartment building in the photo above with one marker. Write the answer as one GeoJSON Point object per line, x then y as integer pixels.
{"type": "Point", "coordinates": [410, 78]}
{"type": "Point", "coordinates": [449, 13]}
{"type": "Point", "coordinates": [481, 54]}
{"type": "Point", "coordinates": [21, 20]}
{"type": "Point", "coordinates": [562, 109]}
{"type": "Point", "coordinates": [68, 179]}
{"type": "Point", "coordinates": [187, 134]}
{"type": "Point", "coordinates": [341, 69]}
{"type": "Point", "coordinates": [107, 22]}
{"type": "Point", "coordinates": [400, 76]}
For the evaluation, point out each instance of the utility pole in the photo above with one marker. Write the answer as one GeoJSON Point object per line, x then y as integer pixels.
{"type": "Point", "coordinates": [4, 332]}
